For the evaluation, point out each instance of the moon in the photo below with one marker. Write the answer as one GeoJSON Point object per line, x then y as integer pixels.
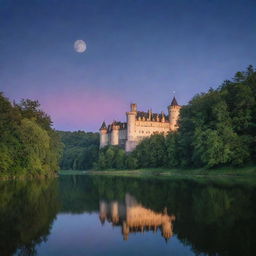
{"type": "Point", "coordinates": [80, 46]}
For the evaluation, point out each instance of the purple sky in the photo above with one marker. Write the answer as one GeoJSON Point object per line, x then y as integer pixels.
{"type": "Point", "coordinates": [137, 51]}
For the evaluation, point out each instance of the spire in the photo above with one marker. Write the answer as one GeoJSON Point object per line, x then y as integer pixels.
{"type": "Point", "coordinates": [174, 102]}
{"type": "Point", "coordinates": [103, 126]}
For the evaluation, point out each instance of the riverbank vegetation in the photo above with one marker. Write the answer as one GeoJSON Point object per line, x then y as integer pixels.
{"type": "Point", "coordinates": [217, 129]}
{"type": "Point", "coordinates": [29, 146]}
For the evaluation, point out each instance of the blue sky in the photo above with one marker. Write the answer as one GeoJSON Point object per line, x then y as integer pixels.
{"type": "Point", "coordinates": [137, 51]}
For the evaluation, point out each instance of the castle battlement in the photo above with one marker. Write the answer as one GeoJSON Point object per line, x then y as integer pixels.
{"type": "Point", "coordinates": [139, 125]}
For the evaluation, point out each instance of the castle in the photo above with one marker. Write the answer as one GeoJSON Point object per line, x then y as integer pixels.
{"type": "Point", "coordinates": [139, 125]}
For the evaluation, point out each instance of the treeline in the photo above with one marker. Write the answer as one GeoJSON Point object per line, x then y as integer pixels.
{"type": "Point", "coordinates": [28, 144]}
{"type": "Point", "coordinates": [217, 128]}
{"type": "Point", "coordinates": [80, 150]}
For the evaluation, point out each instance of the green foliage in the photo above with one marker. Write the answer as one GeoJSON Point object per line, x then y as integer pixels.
{"type": "Point", "coordinates": [172, 159]}
{"type": "Point", "coordinates": [111, 157]}
{"type": "Point", "coordinates": [151, 152]}
{"type": "Point", "coordinates": [131, 162]}
{"type": "Point", "coordinates": [28, 144]}
{"type": "Point", "coordinates": [120, 158]}
{"type": "Point", "coordinates": [217, 128]}
{"type": "Point", "coordinates": [80, 151]}
{"type": "Point", "coordinates": [36, 145]}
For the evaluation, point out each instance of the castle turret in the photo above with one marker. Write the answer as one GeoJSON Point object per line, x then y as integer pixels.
{"type": "Point", "coordinates": [131, 119]}
{"type": "Point", "coordinates": [115, 134]}
{"type": "Point", "coordinates": [103, 135]}
{"type": "Point", "coordinates": [162, 117]}
{"type": "Point", "coordinates": [174, 111]}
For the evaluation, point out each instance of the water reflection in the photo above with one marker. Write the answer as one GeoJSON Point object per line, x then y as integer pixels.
{"type": "Point", "coordinates": [202, 217]}
{"type": "Point", "coordinates": [134, 217]}
{"type": "Point", "coordinates": [27, 210]}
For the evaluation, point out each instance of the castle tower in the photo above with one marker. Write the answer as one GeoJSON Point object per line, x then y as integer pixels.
{"type": "Point", "coordinates": [174, 111]}
{"type": "Point", "coordinates": [131, 119]}
{"type": "Point", "coordinates": [115, 134]}
{"type": "Point", "coordinates": [162, 117]}
{"type": "Point", "coordinates": [103, 135]}
{"type": "Point", "coordinates": [149, 115]}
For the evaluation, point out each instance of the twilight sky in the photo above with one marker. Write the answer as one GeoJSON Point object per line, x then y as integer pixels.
{"type": "Point", "coordinates": [137, 51]}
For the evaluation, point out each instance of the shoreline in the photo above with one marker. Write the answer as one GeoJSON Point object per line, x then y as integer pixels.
{"type": "Point", "coordinates": [225, 172]}
{"type": "Point", "coordinates": [249, 171]}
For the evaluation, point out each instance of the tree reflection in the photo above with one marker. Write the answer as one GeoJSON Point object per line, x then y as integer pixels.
{"type": "Point", "coordinates": [27, 210]}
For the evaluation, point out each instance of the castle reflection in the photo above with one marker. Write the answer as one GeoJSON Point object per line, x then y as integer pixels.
{"type": "Point", "coordinates": [134, 217]}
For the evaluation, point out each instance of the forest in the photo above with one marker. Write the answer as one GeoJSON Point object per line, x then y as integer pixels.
{"type": "Point", "coordinates": [80, 150]}
{"type": "Point", "coordinates": [29, 146]}
{"type": "Point", "coordinates": [216, 129]}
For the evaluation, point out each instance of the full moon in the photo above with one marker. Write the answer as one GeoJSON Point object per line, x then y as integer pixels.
{"type": "Point", "coordinates": [79, 46]}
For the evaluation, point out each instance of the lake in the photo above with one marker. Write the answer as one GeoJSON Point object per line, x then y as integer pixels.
{"type": "Point", "coordinates": [103, 215]}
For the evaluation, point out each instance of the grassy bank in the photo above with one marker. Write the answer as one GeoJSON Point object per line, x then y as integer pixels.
{"type": "Point", "coordinates": [249, 171]}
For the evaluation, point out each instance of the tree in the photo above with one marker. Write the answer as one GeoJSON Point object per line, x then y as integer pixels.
{"type": "Point", "coordinates": [131, 162]}
{"type": "Point", "coordinates": [28, 144]}
{"type": "Point", "coordinates": [172, 158]}
{"type": "Point", "coordinates": [37, 143]}
{"type": "Point", "coordinates": [119, 161]}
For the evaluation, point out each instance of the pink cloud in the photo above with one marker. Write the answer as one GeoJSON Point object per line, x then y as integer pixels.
{"type": "Point", "coordinates": [83, 110]}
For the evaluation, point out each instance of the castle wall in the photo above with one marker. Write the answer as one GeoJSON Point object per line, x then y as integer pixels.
{"type": "Point", "coordinates": [131, 145]}
{"type": "Point", "coordinates": [147, 128]}
{"type": "Point", "coordinates": [122, 137]}
{"type": "Point", "coordinates": [143, 129]}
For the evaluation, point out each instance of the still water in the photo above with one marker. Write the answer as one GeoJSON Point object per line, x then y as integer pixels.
{"type": "Point", "coordinates": [98, 215]}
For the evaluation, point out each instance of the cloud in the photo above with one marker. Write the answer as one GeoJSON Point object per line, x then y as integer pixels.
{"type": "Point", "coordinates": [83, 110]}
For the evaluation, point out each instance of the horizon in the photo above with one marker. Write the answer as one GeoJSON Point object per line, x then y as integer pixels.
{"type": "Point", "coordinates": [136, 51]}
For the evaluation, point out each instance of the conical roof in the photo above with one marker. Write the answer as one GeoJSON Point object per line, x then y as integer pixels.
{"type": "Point", "coordinates": [103, 126]}
{"type": "Point", "coordinates": [174, 102]}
